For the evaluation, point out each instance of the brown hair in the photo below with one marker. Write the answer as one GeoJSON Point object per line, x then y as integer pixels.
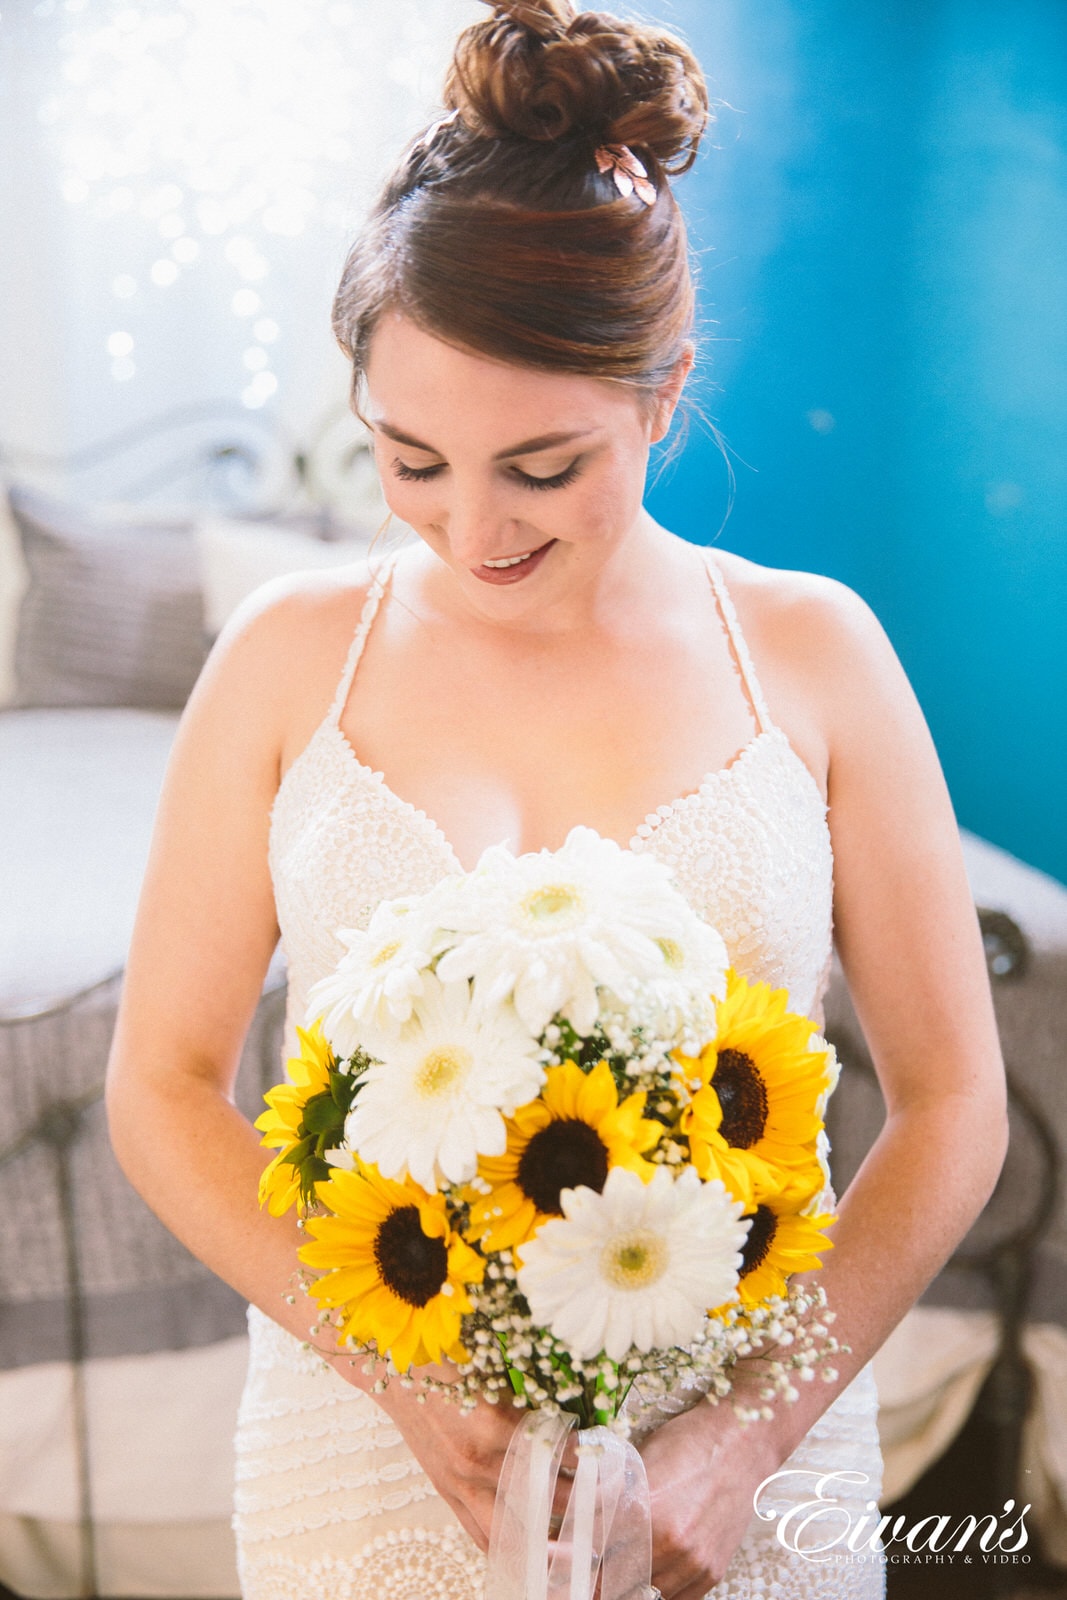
{"type": "Point", "coordinates": [498, 233]}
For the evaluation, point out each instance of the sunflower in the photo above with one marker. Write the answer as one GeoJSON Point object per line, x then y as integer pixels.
{"type": "Point", "coordinates": [571, 1135]}
{"type": "Point", "coordinates": [394, 1266]}
{"type": "Point", "coordinates": [779, 1243]}
{"type": "Point", "coordinates": [754, 1119]}
{"type": "Point", "coordinates": [280, 1125]}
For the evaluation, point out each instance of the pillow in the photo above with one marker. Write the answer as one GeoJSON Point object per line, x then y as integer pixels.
{"type": "Point", "coordinates": [112, 614]}
{"type": "Point", "coordinates": [12, 587]}
{"type": "Point", "coordinates": [237, 557]}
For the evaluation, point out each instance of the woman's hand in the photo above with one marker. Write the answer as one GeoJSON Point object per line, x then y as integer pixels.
{"type": "Point", "coordinates": [462, 1453]}
{"type": "Point", "coordinates": [703, 1468]}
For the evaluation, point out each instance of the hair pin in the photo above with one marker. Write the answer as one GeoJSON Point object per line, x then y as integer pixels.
{"type": "Point", "coordinates": [434, 129]}
{"type": "Point", "coordinates": [628, 173]}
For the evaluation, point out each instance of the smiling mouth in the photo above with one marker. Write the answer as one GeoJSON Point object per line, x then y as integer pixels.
{"type": "Point", "coordinates": [508, 561]}
{"type": "Point", "coordinates": [509, 569]}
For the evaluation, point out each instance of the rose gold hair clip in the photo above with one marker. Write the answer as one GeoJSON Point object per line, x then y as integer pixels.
{"type": "Point", "coordinates": [629, 174]}
{"type": "Point", "coordinates": [433, 130]}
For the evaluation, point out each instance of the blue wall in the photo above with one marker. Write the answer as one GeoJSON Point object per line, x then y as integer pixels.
{"type": "Point", "coordinates": [880, 220]}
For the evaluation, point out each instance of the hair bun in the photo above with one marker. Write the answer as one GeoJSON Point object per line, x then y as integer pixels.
{"type": "Point", "coordinates": [537, 69]}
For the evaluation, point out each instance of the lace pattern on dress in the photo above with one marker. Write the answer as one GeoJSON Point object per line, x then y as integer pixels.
{"type": "Point", "coordinates": [410, 1564]}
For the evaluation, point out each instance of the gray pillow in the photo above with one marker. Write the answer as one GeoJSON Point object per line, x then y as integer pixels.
{"type": "Point", "coordinates": [112, 614]}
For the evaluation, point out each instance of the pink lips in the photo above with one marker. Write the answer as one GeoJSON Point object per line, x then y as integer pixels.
{"type": "Point", "coordinates": [515, 574]}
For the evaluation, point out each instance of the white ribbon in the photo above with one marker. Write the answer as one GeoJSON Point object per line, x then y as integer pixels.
{"type": "Point", "coordinates": [607, 1527]}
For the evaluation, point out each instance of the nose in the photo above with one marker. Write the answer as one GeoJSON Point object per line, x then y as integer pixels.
{"type": "Point", "coordinates": [478, 528]}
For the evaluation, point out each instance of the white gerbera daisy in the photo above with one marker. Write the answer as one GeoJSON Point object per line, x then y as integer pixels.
{"type": "Point", "coordinates": [833, 1072]}
{"type": "Point", "coordinates": [824, 1199]}
{"type": "Point", "coordinates": [439, 1097]}
{"type": "Point", "coordinates": [695, 960]}
{"type": "Point", "coordinates": [379, 977]}
{"type": "Point", "coordinates": [549, 928]}
{"type": "Point", "coordinates": [637, 1266]}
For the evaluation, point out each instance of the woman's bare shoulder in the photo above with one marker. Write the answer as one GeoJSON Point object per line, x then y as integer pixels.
{"type": "Point", "coordinates": [823, 658]}
{"type": "Point", "coordinates": [805, 620]}
{"type": "Point", "coordinates": [281, 653]}
{"type": "Point", "coordinates": [774, 594]}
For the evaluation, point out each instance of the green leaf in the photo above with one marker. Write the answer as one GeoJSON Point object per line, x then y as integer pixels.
{"type": "Point", "coordinates": [323, 1115]}
{"type": "Point", "coordinates": [312, 1171]}
{"type": "Point", "coordinates": [341, 1089]}
{"type": "Point", "coordinates": [299, 1153]}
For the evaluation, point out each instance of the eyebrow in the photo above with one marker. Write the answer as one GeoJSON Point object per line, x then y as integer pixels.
{"type": "Point", "coordinates": [528, 447]}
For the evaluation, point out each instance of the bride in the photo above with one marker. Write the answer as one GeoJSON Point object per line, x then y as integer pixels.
{"type": "Point", "coordinates": [518, 313]}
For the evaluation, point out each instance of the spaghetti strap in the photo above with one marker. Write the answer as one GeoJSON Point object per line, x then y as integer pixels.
{"type": "Point", "coordinates": [377, 589]}
{"type": "Point", "coordinates": [747, 671]}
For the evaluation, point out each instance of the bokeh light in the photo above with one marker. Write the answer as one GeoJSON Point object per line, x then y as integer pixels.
{"type": "Point", "coordinates": [226, 128]}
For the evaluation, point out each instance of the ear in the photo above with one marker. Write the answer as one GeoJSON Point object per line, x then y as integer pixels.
{"type": "Point", "coordinates": [669, 393]}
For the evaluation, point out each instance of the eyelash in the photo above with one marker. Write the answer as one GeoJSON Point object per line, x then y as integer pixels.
{"type": "Point", "coordinates": [559, 480]}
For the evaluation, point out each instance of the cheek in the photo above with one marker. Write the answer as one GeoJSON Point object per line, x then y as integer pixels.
{"type": "Point", "coordinates": [612, 500]}
{"type": "Point", "coordinates": [408, 501]}
{"type": "Point", "coordinates": [417, 504]}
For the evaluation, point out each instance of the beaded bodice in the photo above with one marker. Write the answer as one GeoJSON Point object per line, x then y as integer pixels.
{"type": "Point", "coordinates": [750, 848]}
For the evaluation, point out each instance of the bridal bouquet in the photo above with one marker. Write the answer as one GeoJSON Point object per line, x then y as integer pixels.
{"type": "Point", "coordinates": [539, 1128]}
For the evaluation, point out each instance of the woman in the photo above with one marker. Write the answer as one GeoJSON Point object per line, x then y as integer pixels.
{"type": "Point", "coordinates": [518, 314]}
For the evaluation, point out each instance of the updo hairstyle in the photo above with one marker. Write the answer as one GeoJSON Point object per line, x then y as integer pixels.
{"type": "Point", "coordinates": [497, 233]}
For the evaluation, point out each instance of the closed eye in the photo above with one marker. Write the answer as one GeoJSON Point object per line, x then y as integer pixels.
{"type": "Point", "coordinates": [558, 480]}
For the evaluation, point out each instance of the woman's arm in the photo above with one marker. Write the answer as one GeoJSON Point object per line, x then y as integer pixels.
{"type": "Point", "coordinates": [203, 938]}
{"type": "Point", "coordinates": [909, 941]}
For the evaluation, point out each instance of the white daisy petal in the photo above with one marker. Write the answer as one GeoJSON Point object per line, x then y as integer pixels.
{"type": "Point", "coordinates": [635, 1267]}
{"type": "Point", "coordinates": [550, 928]}
{"type": "Point", "coordinates": [433, 1103]}
{"type": "Point", "coordinates": [382, 972]}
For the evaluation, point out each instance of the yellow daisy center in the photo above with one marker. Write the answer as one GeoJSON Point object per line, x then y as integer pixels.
{"type": "Point", "coordinates": [552, 902]}
{"type": "Point", "coordinates": [743, 1097]}
{"type": "Point", "coordinates": [440, 1069]}
{"type": "Point", "coordinates": [634, 1260]}
{"type": "Point", "coordinates": [411, 1264]}
{"type": "Point", "coordinates": [386, 953]}
{"type": "Point", "coordinates": [760, 1238]}
{"type": "Point", "coordinates": [673, 954]}
{"type": "Point", "coordinates": [564, 1155]}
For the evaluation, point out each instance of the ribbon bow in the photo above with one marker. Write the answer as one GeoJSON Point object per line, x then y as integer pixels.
{"type": "Point", "coordinates": [606, 1535]}
{"type": "Point", "coordinates": [629, 174]}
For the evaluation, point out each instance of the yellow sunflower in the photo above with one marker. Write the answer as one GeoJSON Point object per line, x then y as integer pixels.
{"type": "Point", "coordinates": [754, 1119]}
{"type": "Point", "coordinates": [779, 1243]}
{"type": "Point", "coordinates": [572, 1134]}
{"type": "Point", "coordinates": [394, 1266]}
{"type": "Point", "coordinates": [309, 1075]}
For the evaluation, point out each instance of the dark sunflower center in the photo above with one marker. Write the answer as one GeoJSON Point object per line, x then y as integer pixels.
{"type": "Point", "coordinates": [760, 1238]}
{"type": "Point", "coordinates": [562, 1156]}
{"type": "Point", "coordinates": [411, 1264]}
{"type": "Point", "coordinates": [743, 1097]}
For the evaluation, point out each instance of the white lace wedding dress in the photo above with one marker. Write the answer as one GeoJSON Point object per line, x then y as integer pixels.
{"type": "Point", "coordinates": [329, 1501]}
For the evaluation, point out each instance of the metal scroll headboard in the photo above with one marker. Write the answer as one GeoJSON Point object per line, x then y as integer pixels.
{"type": "Point", "coordinates": [218, 455]}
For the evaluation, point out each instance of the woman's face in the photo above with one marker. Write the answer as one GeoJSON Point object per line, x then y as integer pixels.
{"type": "Point", "coordinates": [524, 483]}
